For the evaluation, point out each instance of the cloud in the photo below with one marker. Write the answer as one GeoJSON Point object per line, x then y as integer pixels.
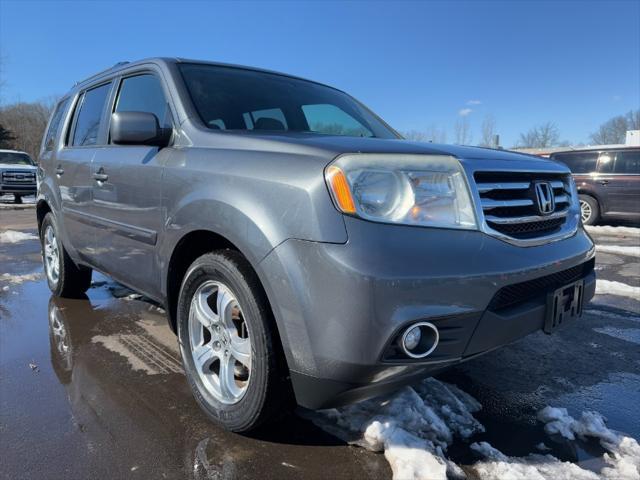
{"type": "Point", "coordinates": [474, 102]}
{"type": "Point", "coordinates": [464, 112]}
{"type": "Point", "coordinates": [616, 98]}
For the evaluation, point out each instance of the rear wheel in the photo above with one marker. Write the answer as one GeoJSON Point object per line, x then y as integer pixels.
{"type": "Point", "coordinates": [228, 343]}
{"type": "Point", "coordinates": [65, 278]}
{"type": "Point", "coordinates": [589, 210]}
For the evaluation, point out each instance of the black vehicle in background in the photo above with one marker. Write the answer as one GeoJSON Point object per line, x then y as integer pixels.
{"type": "Point", "coordinates": [608, 181]}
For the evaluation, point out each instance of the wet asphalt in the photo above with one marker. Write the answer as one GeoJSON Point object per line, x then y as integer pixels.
{"type": "Point", "coordinates": [93, 387]}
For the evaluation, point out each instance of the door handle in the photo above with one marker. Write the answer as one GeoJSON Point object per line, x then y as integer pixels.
{"type": "Point", "coordinates": [59, 171]}
{"type": "Point", "coordinates": [101, 177]}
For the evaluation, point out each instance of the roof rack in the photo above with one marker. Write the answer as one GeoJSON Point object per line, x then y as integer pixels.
{"type": "Point", "coordinates": [102, 72]}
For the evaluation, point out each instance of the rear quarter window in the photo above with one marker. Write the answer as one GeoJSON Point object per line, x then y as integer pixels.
{"type": "Point", "coordinates": [578, 162]}
{"type": "Point", "coordinates": [628, 162]}
{"type": "Point", "coordinates": [55, 125]}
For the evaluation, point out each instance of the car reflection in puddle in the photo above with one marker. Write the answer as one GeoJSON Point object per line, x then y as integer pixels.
{"type": "Point", "coordinates": [130, 404]}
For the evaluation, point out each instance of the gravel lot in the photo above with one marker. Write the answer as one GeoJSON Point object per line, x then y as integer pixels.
{"type": "Point", "coordinates": [93, 388]}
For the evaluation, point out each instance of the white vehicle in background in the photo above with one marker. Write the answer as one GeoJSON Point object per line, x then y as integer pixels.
{"type": "Point", "coordinates": [17, 174]}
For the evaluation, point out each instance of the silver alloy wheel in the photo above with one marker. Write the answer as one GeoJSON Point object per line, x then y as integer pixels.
{"type": "Point", "coordinates": [220, 342]}
{"type": "Point", "coordinates": [585, 211]}
{"type": "Point", "coordinates": [51, 255]}
{"type": "Point", "coordinates": [60, 338]}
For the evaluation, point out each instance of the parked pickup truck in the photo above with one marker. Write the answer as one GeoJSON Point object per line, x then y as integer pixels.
{"type": "Point", "coordinates": [303, 250]}
{"type": "Point", "coordinates": [17, 174]}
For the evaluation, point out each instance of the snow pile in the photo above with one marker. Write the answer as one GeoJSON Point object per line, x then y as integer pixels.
{"type": "Point", "coordinates": [414, 428]}
{"type": "Point", "coordinates": [498, 466]}
{"type": "Point", "coordinates": [19, 279]}
{"type": "Point", "coordinates": [623, 457]}
{"type": "Point", "coordinates": [608, 287]}
{"type": "Point", "coordinates": [12, 236]}
{"type": "Point", "coordinates": [619, 249]}
{"type": "Point", "coordinates": [608, 230]}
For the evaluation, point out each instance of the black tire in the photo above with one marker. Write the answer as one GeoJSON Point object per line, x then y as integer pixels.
{"type": "Point", "coordinates": [593, 209]}
{"type": "Point", "coordinates": [72, 280]}
{"type": "Point", "coordinates": [267, 394]}
{"type": "Point", "coordinates": [17, 199]}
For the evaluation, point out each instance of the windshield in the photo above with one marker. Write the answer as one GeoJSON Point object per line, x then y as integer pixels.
{"type": "Point", "coordinates": [13, 158]}
{"type": "Point", "coordinates": [230, 98]}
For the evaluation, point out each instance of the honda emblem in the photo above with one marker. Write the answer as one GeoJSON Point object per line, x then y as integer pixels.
{"type": "Point", "coordinates": [545, 198]}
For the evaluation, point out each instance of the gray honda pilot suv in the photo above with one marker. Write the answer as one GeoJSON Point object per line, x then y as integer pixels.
{"type": "Point", "coordinates": [303, 250]}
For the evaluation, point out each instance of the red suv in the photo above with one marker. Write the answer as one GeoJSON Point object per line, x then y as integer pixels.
{"type": "Point", "coordinates": [608, 181]}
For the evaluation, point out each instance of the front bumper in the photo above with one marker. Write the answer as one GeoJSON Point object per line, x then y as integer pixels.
{"type": "Point", "coordinates": [339, 305]}
{"type": "Point", "coordinates": [19, 189]}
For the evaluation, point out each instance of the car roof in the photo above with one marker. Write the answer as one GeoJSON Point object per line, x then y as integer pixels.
{"type": "Point", "coordinates": [596, 148]}
{"type": "Point", "coordinates": [120, 66]}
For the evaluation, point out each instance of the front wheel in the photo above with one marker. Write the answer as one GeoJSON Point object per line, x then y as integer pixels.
{"type": "Point", "coordinates": [65, 278]}
{"type": "Point", "coordinates": [589, 210]}
{"type": "Point", "coordinates": [17, 199]}
{"type": "Point", "coordinates": [229, 346]}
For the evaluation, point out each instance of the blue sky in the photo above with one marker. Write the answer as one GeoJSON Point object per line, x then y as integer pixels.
{"type": "Point", "coordinates": [416, 64]}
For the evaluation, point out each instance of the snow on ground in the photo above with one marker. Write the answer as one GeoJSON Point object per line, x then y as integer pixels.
{"type": "Point", "coordinates": [498, 466]}
{"type": "Point", "coordinates": [6, 202]}
{"type": "Point", "coordinates": [415, 426]}
{"type": "Point", "coordinates": [609, 230]}
{"type": "Point", "coordinates": [608, 287]}
{"type": "Point", "coordinates": [619, 249]}
{"type": "Point", "coordinates": [623, 457]}
{"type": "Point", "coordinates": [627, 334]}
{"type": "Point", "coordinates": [19, 279]}
{"type": "Point", "coordinates": [13, 236]}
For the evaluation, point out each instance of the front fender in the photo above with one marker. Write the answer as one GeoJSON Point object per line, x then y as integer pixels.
{"type": "Point", "coordinates": [255, 200]}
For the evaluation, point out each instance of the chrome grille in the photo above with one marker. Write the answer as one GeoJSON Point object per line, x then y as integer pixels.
{"type": "Point", "coordinates": [511, 208]}
{"type": "Point", "coordinates": [17, 177]}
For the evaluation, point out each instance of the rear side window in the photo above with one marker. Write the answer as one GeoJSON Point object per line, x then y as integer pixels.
{"type": "Point", "coordinates": [89, 116]}
{"type": "Point", "coordinates": [578, 162]}
{"type": "Point", "coordinates": [143, 93]}
{"type": "Point", "coordinates": [54, 125]}
{"type": "Point", "coordinates": [628, 162]}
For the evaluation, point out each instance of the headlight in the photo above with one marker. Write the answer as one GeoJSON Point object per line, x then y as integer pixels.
{"type": "Point", "coordinates": [426, 190]}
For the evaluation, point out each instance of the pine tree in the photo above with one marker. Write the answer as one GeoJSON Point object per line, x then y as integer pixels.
{"type": "Point", "coordinates": [6, 138]}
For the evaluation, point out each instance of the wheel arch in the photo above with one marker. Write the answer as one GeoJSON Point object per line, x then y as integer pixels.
{"type": "Point", "coordinates": [42, 208]}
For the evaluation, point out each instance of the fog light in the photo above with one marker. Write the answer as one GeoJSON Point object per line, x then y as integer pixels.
{"type": "Point", "coordinates": [419, 340]}
{"type": "Point", "coordinates": [412, 338]}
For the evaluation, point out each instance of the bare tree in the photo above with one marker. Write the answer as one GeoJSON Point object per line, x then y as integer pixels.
{"type": "Point", "coordinates": [3, 82]}
{"type": "Point", "coordinates": [541, 136]}
{"type": "Point", "coordinates": [27, 122]}
{"type": "Point", "coordinates": [462, 131]}
{"type": "Point", "coordinates": [433, 133]}
{"type": "Point", "coordinates": [615, 129]}
{"type": "Point", "coordinates": [488, 131]}
{"type": "Point", "coordinates": [436, 134]}
{"type": "Point", "coordinates": [415, 136]}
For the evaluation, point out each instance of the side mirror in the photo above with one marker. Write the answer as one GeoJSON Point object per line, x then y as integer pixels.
{"type": "Point", "coordinates": [138, 128]}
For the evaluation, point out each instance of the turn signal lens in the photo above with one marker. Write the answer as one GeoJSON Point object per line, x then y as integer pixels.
{"type": "Point", "coordinates": [340, 189]}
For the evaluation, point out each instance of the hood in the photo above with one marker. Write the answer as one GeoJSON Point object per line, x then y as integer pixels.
{"type": "Point", "coordinates": [13, 166]}
{"type": "Point", "coordinates": [325, 148]}
{"type": "Point", "coordinates": [336, 145]}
